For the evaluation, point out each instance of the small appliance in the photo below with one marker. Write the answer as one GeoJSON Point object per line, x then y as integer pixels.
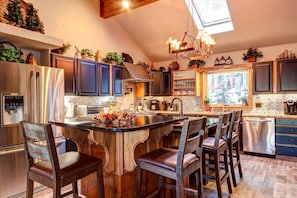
{"type": "Point", "coordinates": [290, 107]}
{"type": "Point", "coordinates": [154, 105]}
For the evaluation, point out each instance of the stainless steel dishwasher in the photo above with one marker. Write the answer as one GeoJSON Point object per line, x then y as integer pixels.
{"type": "Point", "coordinates": [259, 135]}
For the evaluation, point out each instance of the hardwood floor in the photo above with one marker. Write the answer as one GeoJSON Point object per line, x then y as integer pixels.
{"type": "Point", "coordinates": [262, 178]}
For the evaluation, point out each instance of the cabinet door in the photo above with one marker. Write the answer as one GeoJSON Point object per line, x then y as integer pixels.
{"type": "Point", "coordinates": [167, 83]}
{"type": "Point", "coordinates": [262, 77]}
{"type": "Point", "coordinates": [156, 84]}
{"type": "Point", "coordinates": [87, 78]}
{"type": "Point", "coordinates": [69, 66]}
{"type": "Point", "coordinates": [286, 75]}
{"type": "Point", "coordinates": [117, 80]}
{"type": "Point", "coordinates": [104, 79]}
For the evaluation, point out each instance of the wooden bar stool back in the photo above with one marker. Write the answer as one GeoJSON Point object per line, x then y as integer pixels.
{"type": "Point", "coordinates": [233, 145]}
{"type": "Point", "coordinates": [46, 167]}
{"type": "Point", "coordinates": [176, 164]}
{"type": "Point", "coordinates": [212, 149]}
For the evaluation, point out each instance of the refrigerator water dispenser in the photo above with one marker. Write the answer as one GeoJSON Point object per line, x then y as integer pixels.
{"type": "Point", "coordinates": [12, 109]}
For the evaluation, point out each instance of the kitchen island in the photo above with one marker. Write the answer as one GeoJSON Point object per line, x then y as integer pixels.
{"type": "Point", "coordinates": [118, 147]}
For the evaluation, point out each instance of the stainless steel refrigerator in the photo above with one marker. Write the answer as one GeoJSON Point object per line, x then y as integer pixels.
{"type": "Point", "coordinates": [31, 93]}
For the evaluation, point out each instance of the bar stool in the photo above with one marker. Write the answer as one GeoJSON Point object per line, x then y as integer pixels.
{"type": "Point", "coordinates": [213, 147]}
{"type": "Point", "coordinates": [233, 145]}
{"type": "Point", "coordinates": [176, 164]}
{"type": "Point", "coordinates": [46, 167]}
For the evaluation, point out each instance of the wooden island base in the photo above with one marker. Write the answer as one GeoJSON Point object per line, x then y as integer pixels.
{"type": "Point", "coordinates": [118, 152]}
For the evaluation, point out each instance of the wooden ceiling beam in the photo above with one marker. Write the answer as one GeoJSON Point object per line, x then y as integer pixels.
{"type": "Point", "coordinates": [109, 8]}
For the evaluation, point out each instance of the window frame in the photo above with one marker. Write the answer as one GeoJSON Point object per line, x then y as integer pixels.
{"type": "Point", "coordinates": [220, 69]}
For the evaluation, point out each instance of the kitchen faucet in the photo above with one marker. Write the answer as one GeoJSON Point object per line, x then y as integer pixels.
{"type": "Point", "coordinates": [181, 106]}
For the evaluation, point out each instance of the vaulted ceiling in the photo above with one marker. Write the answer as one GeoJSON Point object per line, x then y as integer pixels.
{"type": "Point", "coordinates": [257, 24]}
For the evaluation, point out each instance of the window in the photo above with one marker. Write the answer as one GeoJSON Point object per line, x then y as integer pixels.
{"type": "Point", "coordinates": [213, 16]}
{"type": "Point", "coordinates": [227, 87]}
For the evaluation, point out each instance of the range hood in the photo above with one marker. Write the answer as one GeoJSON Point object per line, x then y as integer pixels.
{"type": "Point", "coordinates": [135, 73]}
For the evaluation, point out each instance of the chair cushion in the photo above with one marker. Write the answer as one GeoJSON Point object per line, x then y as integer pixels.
{"type": "Point", "coordinates": [72, 163]}
{"type": "Point", "coordinates": [167, 158]}
{"type": "Point", "coordinates": [210, 141]}
{"type": "Point", "coordinates": [235, 135]}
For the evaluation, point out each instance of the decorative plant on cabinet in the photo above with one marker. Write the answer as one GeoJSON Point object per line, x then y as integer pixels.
{"type": "Point", "coordinates": [113, 58]}
{"type": "Point", "coordinates": [252, 54]}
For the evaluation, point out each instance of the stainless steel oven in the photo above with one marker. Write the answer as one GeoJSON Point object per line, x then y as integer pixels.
{"type": "Point", "coordinates": [259, 135]}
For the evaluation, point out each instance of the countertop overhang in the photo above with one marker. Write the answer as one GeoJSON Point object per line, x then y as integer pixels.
{"type": "Point", "coordinates": [138, 123]}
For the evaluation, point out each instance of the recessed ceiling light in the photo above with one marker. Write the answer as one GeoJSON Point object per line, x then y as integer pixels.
{"type": "Point", "coordinates": [125, 4]}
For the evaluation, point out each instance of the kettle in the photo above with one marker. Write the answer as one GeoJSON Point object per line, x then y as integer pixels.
{"type": "Point", "coordinates": [163, 106]}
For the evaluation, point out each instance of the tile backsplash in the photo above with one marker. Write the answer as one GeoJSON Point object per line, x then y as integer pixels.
{"type": "Point", "coordinates": [269, 103]}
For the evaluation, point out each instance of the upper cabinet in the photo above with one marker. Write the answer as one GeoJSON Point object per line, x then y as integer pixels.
{"type": "Point", "coordinates": [185, 82]}
{"type": "Point", "coordinates": [117, 80]}
{"type": "Point", "coordinates": [89, 78]}
{"type": "Point", "coordinates": [30, 40]}
{"type": "Point", "coordinates": [69, 65]}
{"type": "Point", "coordinates": [104, 76]}
{"type": "Point", "coordinates": [160, 84]}
{"type": "Point", "coordinates": [262, 77]}
{"type": "Point", "coordinates": [286, 76]}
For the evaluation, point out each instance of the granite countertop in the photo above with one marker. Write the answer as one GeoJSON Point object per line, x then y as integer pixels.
{"type": "Point", "coordinates": [139, 122]}
{"type": "Point", "coordinates": [245, 114]}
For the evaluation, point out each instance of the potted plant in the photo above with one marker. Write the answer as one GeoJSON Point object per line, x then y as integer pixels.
{"type": "Point", "coordinates": [86, 53]}
{"type": "Point", "coordinates": [244, 100]}
{"type": "Point", "coordinates": [206, 104]}
{"type": "Point", "coordinates": [195, 63]}
{"type": "Point", "coordinates": [252, 54]}
{"type": "Point", "coordinates": [113, 58]}
{"type": "Point", "coordinates": [62, 50]}
{"type": "Point", "coordinates": [10, 53]}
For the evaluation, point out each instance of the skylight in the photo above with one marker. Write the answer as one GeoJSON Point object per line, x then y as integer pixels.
{"type": "Point", "coordinates": [213, 16]}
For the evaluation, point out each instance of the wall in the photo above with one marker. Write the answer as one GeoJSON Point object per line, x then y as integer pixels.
{"type": "Point", "coordinates": [271, 103]}
{"type": "Point", "coordinates": [79, 23]}
{"type": "Point", "coordinates": [269, 53]}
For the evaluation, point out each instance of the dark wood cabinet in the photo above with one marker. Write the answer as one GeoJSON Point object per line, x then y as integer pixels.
{"type": "Point", "coordinates": [69, 65]}
{"type": "Point", "coordinates": [161, 84]}
{"type": "Point", "coordinates": [87, 78]}
{"type": "Point", "coordinates": [167, 88]}
{"type": "Point", "coordinates": [262, 77]}
{"type": "Point", "coordinates": [156, 84]}
{"type": "Point", "coordinates": [104, 79]}
{"type": "Point", "coordinates": [117, 80]}
{"type": "Point", "coordinates": [286, 76]}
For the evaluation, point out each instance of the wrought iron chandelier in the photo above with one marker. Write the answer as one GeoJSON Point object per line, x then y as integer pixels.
{"type": "Point", "coordinates": [191, 46]}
